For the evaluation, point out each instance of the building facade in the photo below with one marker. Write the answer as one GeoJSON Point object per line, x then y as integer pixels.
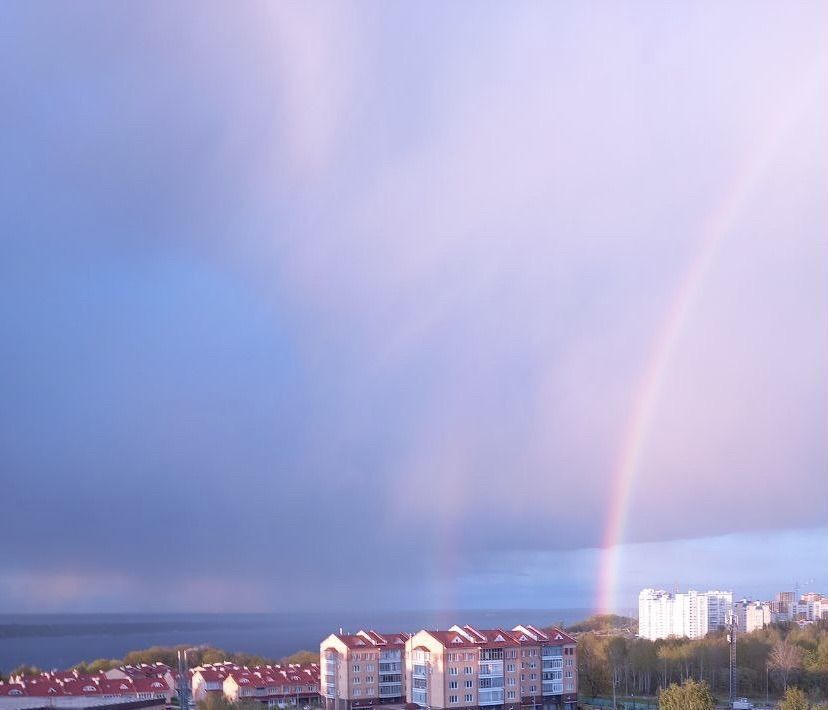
{"type": "Point", "coordinates": [693, 614]}
{"type": "Point", "coordinates": [363, 669]}
{"type": "Point", "coordinates": [465, 667]}
{"type": "Point", "coordinates": [751, 615]}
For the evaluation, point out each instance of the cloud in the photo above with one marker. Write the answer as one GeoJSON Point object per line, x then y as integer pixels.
{"type": "Point", "coordinates": [361, 290]}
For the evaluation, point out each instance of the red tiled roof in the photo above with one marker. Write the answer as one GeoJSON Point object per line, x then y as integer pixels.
{"type": "Point", "coordinates": [150, 685]}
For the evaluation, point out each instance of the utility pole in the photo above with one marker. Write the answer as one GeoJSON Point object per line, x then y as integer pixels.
{"type": "Point", "coordinates": [731, 639]}
{"type": "Point", "coordinates": [183, 681]}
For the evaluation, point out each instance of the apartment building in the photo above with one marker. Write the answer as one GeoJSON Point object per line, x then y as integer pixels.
{"type": "Point", "coordinates": [465, 667]}
{"type": "Point", "coordinates": [693, 614]}
{"type": "Point", "coordinates": [751, 615]}
{"type": "Point", "coordinates": [808, 608]}
{"type": "Point", "coordinates": [362, 669]}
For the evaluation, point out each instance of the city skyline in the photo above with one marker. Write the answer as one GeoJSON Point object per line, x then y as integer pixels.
{"type": "Point", "coordinates": [444, 307]}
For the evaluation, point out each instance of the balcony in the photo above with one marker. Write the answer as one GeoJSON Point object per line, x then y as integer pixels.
{"type": "Point", "coordinates": [491, 669]}
{"type": "Point", "coordinates": [490, 697]}
{"type": "Point", "coordinates": [390, 691]}
{"type": "Point", "coordinates": [552, 688]}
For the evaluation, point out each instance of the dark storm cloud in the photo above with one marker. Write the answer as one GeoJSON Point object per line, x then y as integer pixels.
{"type": "Point", "coordinates": [298, 298]}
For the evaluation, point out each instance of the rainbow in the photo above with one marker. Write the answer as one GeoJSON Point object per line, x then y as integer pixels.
{"type": "Point", "coordinates": [716, 227]}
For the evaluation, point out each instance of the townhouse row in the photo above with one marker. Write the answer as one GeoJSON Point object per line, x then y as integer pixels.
{"type": "Point", "coordinates": [462, 667]}
{"type": "Point", "coordinates": [272, 685]}
{"type": "Point", "coordinates": [139, 683]}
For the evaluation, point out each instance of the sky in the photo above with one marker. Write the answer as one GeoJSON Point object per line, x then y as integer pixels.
{"type": "Point", "coordinates": [354, 306]}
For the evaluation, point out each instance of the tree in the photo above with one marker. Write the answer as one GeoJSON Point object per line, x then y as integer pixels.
{"type": "Point", "coordinates": [592, 666]}
{"type": "Point", "coordinates": [785, 658]}
{"type": "Point", "coordinates": [215, 702]}
{"type": "Point", "coordinates": [794, 700]}
{"type": "Point", "coordinates": [616, 653]}
{"type": "Point", "coordinates": [302, 658]}
{"type": "Point", "coordinates": [103, 664]}
{"type": "Point", "coordinates": [690, 695]}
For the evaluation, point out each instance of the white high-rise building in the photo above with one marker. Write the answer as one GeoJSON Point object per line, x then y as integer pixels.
{"type": "Point", "coordinates": [692, 614]}
{"type": "Point", "coordinates": [719, 608]}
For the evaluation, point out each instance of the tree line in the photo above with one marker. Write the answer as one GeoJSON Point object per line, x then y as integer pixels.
{"type": "Point", "coordinates": [769, 660]}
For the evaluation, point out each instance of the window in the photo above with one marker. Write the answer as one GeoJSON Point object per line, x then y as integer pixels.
{"type": "Point", "coordinates": [356, 680]}
{"type": "Point", "coordinates": [356, 669]}
{"type": "Point", "coordinates": [452, 698]}
{"type": "Point", "coordinates": [511, 695]}
{"type": "Point", "coordinates": [468, 670]}
{"type": "Point", "coordinates": [532, 689]}
{"type": "Point", "coordinates": [453, 670]}
{"type": "Point", "coordinates": [470, 684]}
{"type": "Point", "coordinates": [511, 668]}
{"type": "Point", "coordinates": [369, 679]}
{"type": "Point", "coordinates": [453, 685]}
{"type": "Point", "coordinates": [468, 697]}
{"type": "Point", "coordinates": [511, 681]}
{"type": "Point", "coordinates": [469, 656]}
{"type": "Point", "coordinates": [369, 667]}
{"type": "Point", "coordinates": [357, 691]}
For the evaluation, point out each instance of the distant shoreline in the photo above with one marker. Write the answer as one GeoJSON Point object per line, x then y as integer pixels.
{"type": "Point", "coordinates": [54, 640]}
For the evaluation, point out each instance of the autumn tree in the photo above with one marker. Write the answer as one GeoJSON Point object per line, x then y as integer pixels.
{"type": "Point", "coordinates": [302, 658]}
{"type": "Point", "coordinates": [794, 699]}
{"type": "Point", "coordinates": [690, 695]}
{"type": "Point", "coordinates": [785, 658]}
